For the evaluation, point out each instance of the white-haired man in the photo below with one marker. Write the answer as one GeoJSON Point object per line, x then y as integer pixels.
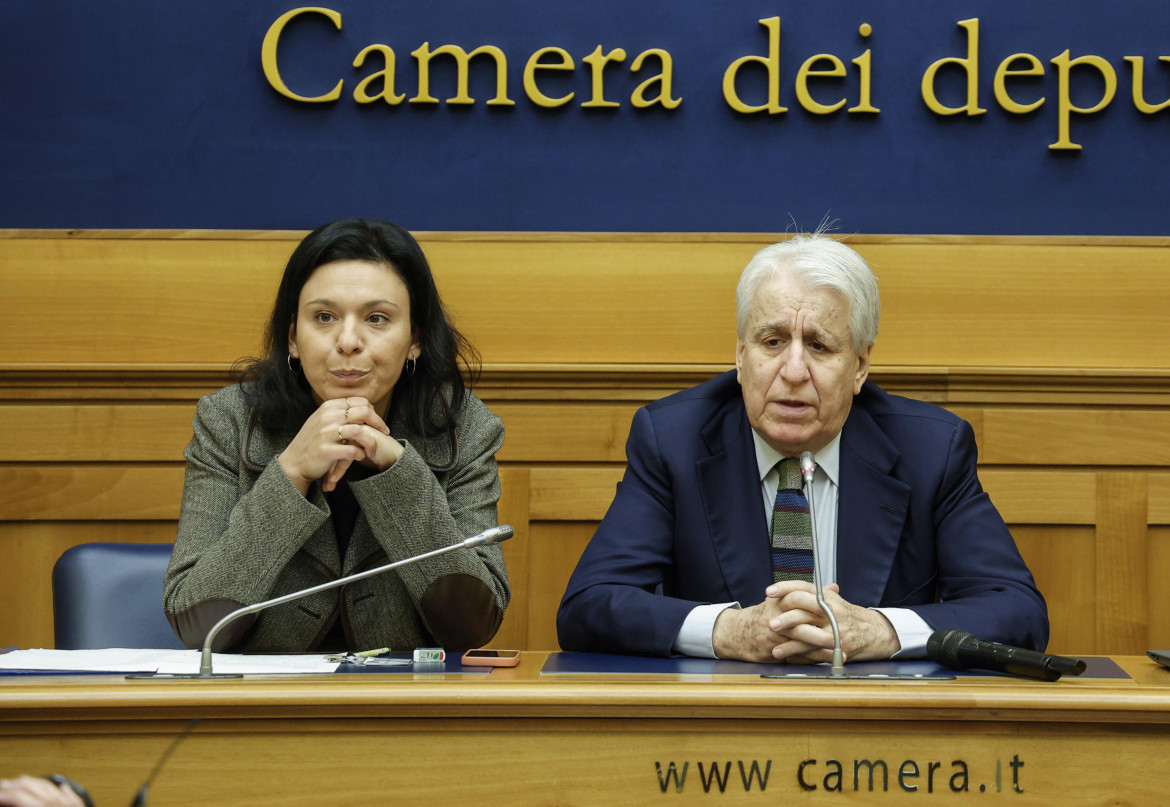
{"type": "Point", "coordinates": [701, 551]}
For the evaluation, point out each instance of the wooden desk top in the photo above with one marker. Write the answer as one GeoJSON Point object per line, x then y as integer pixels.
{"type": "Point", "coordinates": [525, 692]}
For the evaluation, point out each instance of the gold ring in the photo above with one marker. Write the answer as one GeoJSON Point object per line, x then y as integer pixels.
{"type": "Point", "coordinates": [339, 437]}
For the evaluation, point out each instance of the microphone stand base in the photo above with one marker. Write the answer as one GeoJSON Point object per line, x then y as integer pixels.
{"type": "Point", "coordinates": [863, 676]}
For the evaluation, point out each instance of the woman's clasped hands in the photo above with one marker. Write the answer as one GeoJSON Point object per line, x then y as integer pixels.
{"type": "Point", "coordinates": [340, 432]}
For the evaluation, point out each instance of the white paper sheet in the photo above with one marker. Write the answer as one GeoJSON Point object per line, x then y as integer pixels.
{"type": "Point", "coordinates": [171, 662]}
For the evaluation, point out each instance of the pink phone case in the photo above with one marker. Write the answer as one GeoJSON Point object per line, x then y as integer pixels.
{"type": "Point", "coordinates": [480, 661]}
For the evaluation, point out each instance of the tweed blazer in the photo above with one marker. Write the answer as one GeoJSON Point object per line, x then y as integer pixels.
{"type": "Point", "coordinates": [246, 534]}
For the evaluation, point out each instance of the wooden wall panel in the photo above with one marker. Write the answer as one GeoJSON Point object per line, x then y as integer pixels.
{"type": "Point", "coordinates": [590, 300]}
{"type": "Point", "coordinates": [573, 494]}
{"type": "Point", "coordinates": [30, 549]}
{"type": "Point", "coordinates": [1063, 563]}
{"type": "Point", "coordinates": [1159, 493]}
{"type": "Point", "coordinates": [1021, 302]}
{"type": "Point", "coordinates": [1076, 437]}
{"type": "Point", "coordinates": [151, 300]}
{"type": "Point", "coordinates": [564, 432]}
{"type": "Point", "coordinates": [1157, 577]}
{"type": "Point", "coordinates": [117, 432]}
{"type": "Point", "coordinates": [513, 510]}
{"type": "Point", "coordinates": [1042, 496]}
{"type": "Point", "coordinates": [556, 546]}
{"type": "Point", "coordinates": [1122, 609]}
{"type": "Point", "coordinates": [598, 298]}
{"type": "Point", "coordinates": [91, 491]}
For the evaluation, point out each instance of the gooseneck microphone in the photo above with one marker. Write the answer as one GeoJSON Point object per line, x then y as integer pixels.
{"type": "Point", "coordinates": [960, 650]}
{"type": "Point", "coordinates": [488, 537]}
{"type": "Point", "coordinates": [808, 469]}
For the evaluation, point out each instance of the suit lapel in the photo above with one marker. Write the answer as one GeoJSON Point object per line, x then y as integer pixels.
{"type": "Point", "coordinates": [730, 488]}
{"type": "Point", "coordinates": [871, 510]}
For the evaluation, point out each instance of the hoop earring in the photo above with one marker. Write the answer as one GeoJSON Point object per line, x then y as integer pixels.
{"type": "Point", "coordinates": [411, 366]}
{"type": "Point", "coordinates": [288, 359]}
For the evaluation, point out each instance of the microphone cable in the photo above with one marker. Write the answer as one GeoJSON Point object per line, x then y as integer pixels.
{"type": "Point", "coordinates": [140, 797]}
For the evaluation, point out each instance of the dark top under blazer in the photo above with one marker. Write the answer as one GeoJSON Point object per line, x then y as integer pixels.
{"type": "Point", "coordinates": [687, 527]}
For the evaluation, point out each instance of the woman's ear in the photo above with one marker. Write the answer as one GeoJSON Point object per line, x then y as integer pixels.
{"type": "Point", "coordinates": [292, 339]}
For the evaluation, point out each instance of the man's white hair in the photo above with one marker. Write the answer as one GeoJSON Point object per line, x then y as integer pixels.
{"type": "Point", "coordinates": [822, 262]}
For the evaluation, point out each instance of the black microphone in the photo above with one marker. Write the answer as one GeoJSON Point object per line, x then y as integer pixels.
{"type": "Point", "coordinates": [960, 650]}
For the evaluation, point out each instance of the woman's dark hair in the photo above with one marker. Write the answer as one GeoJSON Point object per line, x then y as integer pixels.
{"type": "Point", "coordinates": [281, 398]}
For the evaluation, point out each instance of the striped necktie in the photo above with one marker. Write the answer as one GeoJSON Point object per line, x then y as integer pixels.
{"type": "Point", "coordinates": [792, 547]}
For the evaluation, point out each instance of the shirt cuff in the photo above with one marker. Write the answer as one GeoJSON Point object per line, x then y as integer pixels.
{"type": "Point", "coordinates": [695, 637]}
{"type": "Point", "coordinates": [911, 629]}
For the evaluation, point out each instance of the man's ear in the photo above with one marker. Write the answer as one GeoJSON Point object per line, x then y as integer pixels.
{"type": "Point", "coordinates": [862, 372]}
{"type": "Point", "coordinates": [739, 348]}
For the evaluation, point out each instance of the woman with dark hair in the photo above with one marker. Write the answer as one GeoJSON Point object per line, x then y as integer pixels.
{"type": "Point", "coordinates": [351, 443]}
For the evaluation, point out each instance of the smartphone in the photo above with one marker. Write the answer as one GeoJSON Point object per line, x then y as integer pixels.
{"type": "Point", "coordinates": [491, 658]}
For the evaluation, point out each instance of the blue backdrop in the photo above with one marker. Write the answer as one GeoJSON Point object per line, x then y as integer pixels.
{"type": "Point", "coordinates": [149, 114]}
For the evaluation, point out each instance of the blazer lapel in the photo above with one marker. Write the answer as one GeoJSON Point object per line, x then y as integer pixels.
{"type": "Point", "coordinates": [730, 489]}
{"type": "Point", "coordinates": [871, 510]}
{"type": "Point", "coordinates": [257, 451]}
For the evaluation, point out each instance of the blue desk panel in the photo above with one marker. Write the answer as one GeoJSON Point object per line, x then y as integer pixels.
{"type": "Point", "coordinates": [604, 663]}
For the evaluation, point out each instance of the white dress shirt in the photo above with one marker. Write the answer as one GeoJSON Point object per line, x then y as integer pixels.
{"type": "Point", "coordinates": [695, 637]}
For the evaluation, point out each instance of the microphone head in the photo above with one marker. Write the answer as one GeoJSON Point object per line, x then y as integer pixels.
{"type": "Point", "coordinates": [502, 533]}
{"type": "Point", "coordinates": [808, 466]}
{"type": "Point", "coordinates": [943, 646]}
{"type": "Point", "coordinates": [491, 536]}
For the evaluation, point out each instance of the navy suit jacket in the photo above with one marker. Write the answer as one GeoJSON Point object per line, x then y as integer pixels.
{"type": "Point", "coordinates": [914, 527]}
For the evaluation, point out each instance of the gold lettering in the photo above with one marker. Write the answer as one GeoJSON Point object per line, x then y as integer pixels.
{"type": "Point", "coordinates": [597, 61]}
{"type": "Point", "coordinates": [804, 96]}
{"type": "Point", "coordinates": [1064, 66]}
{"type": "Point", "coordinates": [970, 64]}
{"type": "Point", "coordinates": [771, 62]}
{"type": "Point", "coordinates": [268, 54]}
{"type": "Point", "coordinates": [1005, 70]}
{"type": "Point", "coordinates": [863, 66]}
{"type": "Point", "coordinates": [534, 64]}
{"type": "Point", "coordinates": [1139, 99]}
{"type": "Point", "coordinates": [424, 55]}
{"type": "Point", "coordinates": [663, 80]}
{"type": "Point", "coordinates": [386, 74]}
